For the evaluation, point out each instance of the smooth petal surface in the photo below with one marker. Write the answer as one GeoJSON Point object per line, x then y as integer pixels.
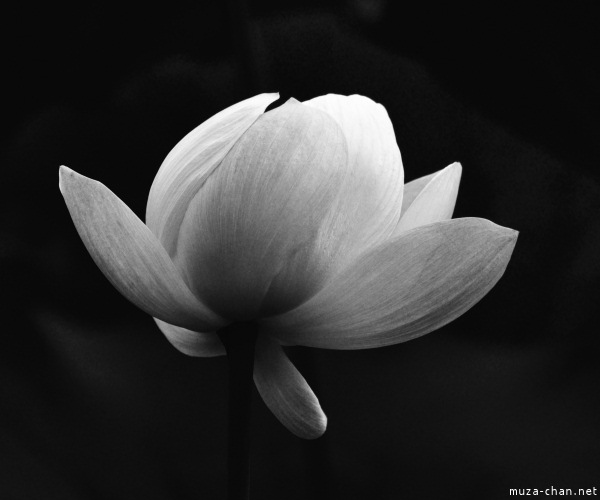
{"type": "Point", "coordinates": [405, 288]}
{"type": "Point", "coordinates": [130, 256]}
{"type": "Point", "coordinates": [285, 391]}
{"type": "Point", "coordinates": [261, 235]}
{"type": "Point", "coordinates": [374, 195]}
{"type": "Point", "coordinates": [186, 168]}
{"type": "Point", "coordinates": [198, 344]}
{"type": "Point", "coordinates": [435, 202]}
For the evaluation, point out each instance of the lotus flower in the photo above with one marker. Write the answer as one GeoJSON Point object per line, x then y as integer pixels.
{"type": "Point", "coordinates": [297, 219]}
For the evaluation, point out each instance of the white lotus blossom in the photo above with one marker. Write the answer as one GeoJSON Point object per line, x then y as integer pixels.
{"type": "Point", "coordinates": [299, 220]}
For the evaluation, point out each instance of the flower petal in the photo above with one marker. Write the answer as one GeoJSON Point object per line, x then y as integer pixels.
{"type": "Point", "coordinates": [285, 391]}
{"type": "Point", "coordinates": [407, 287]}
{"type": "Point", "coordinates": [198, 344]}
{"type": "Point", "coordinates": [190, 163]}
{"type": "Point", "coordinates": [435, 202]}
{"type": "Point", "coordinates": [130, 256]}
{"type": "Point", "coordinates": [413, 188]}
{"type": "Point", "coordinates": [262, 233]}
{"type": "Point", "coordinates": [373, 156]}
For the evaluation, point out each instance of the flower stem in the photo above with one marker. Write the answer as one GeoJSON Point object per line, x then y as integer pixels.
{"type": "Point", "coordinates": [239, 340]}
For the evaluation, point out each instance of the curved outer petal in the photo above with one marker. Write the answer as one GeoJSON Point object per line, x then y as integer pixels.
{"type": "Point", "coordinates": [435, 202]}
{"type": "Point", "coordinates": [405, 288]}
{"type": "Point", "coordinates": [130, 256]}
{"type": "Point", "coordinates": [198, 344]}
{"type": "Point", "coordinates": [373, 155]}
{"type": "Point", "coordinates": [285, 391]}
{"type": "Point", "coordinates": [261, 235]}
{"type": "Point", "coordinates": [190, 163]}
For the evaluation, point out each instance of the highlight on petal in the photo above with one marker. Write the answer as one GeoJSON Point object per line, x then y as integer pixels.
{"type": "Point", "coordinates": [190, 163]}
{"type": "Point", "coordinates": [198, 344]}
{"type": "Point", "coordinates": [286, 392]}
{"type": "Point", "coordinates": [373, 199]}
{"type": "Point", "coordinates": [406, 287]}
{"type": "Point", "coordinates": [130, 256]}
{"type": "Point", "coordinates": [435, 202]}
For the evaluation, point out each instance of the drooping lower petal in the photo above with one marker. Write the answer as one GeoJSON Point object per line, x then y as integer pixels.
{"type": "Point", "coordinates": [286, 392]}
{"type": "Point", "coordinates": [435, 202]}
{"type": "Point", "coordinates": [198, 344]}
{"type": "Point", "coordinates": [373, 155]}
{"type": "Point", "coordinates": [130, 256]}
{"type": "Point", "coordinates": [407, 287]}
{"type": "Point", "coordinates": [186, 168]}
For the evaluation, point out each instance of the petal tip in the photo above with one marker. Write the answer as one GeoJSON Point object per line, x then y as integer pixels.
{"type": "Point", "coordinates": [508, 233]}
{"type": "Point", "coordinates": [506, 240]}
{"type": "Point", "coordinates": [453, 171]}
{"type": "Point", "coordinates": [63, 173]}
{"type": "Point", "coordinates": [67, 176]}
{"type": "Point", "coordinates": [502, 233]}
{"type": "Point", "coordinates": [511, 236]}
{"type": "Point", "coordinates": [313, 429]}
{"type": "Point", "coordinates": [456, 166]}
{"type": "Point", "coordinates": [292, 100]}
{"type": "Point", "coordinates": [317, 429]}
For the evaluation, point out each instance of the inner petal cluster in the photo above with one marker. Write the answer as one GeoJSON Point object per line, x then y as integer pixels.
{"type": "Point", "coordinates": [260, 236]}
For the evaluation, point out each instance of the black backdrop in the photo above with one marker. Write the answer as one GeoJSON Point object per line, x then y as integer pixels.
{"type": "Point", "coordinates": [94, 403]}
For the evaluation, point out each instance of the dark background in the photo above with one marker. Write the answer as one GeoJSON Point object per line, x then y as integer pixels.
{"type": "Point", "coordinates": [95, 404]}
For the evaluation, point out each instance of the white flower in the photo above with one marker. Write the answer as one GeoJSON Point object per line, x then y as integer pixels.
{"type": "Point", "coordinates": [297, 219]}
